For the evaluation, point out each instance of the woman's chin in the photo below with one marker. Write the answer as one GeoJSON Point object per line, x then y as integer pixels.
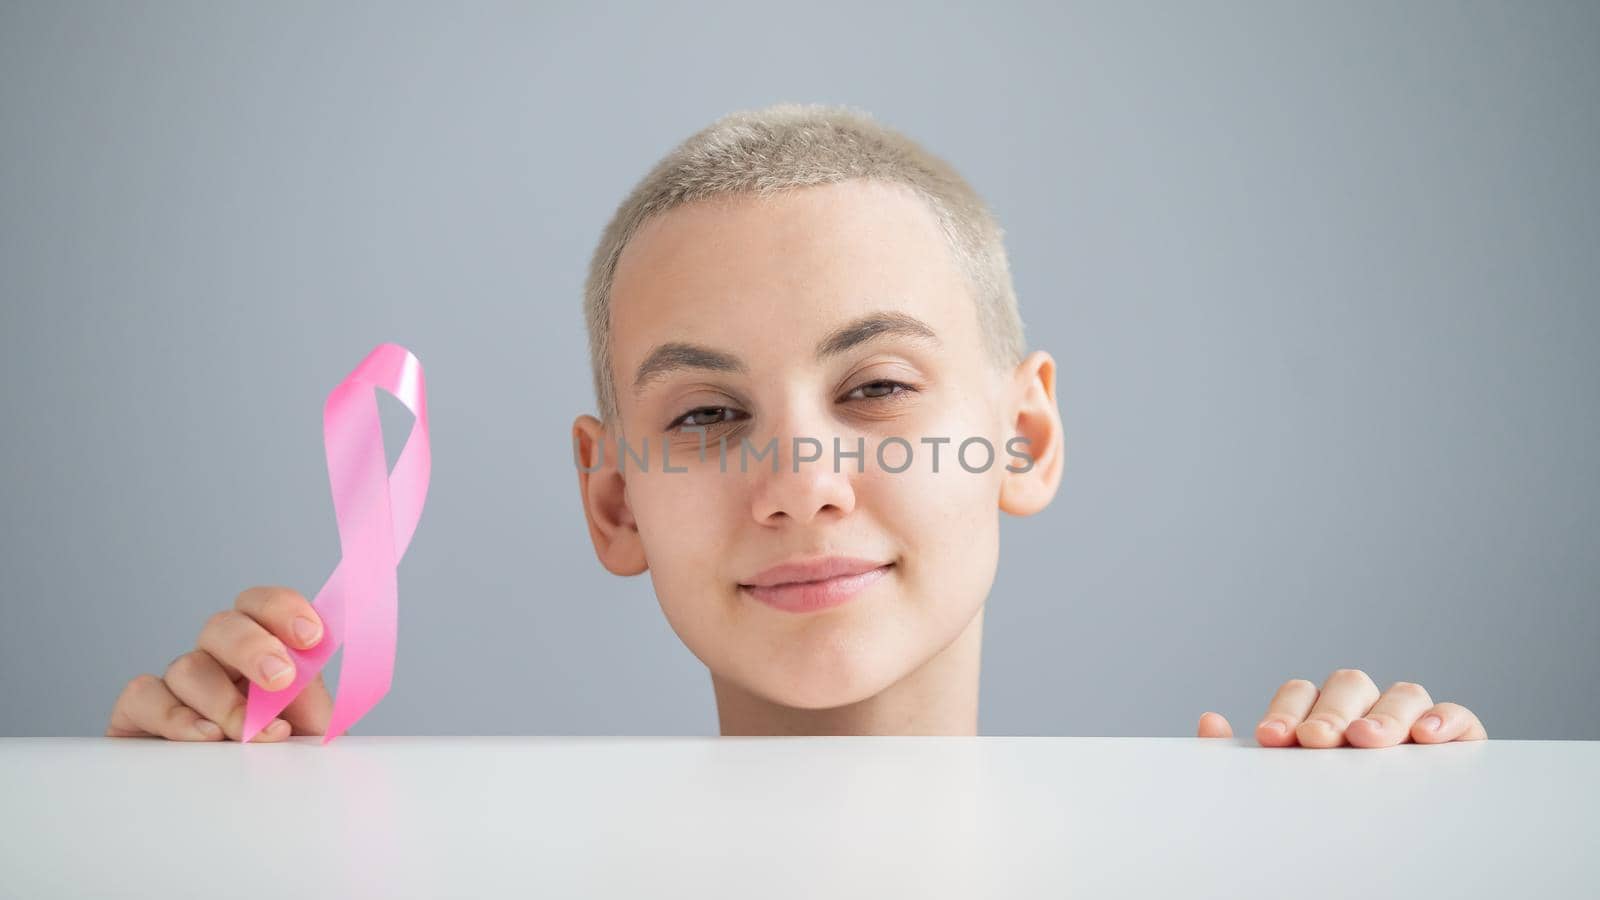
{"type": "Point", "coordinates": [823, 685]}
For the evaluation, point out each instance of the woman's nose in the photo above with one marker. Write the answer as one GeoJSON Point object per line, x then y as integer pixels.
{"type": "Point", "coordinates": [815, 490]}
{"type": "Point", "coordinates": [805, 484]}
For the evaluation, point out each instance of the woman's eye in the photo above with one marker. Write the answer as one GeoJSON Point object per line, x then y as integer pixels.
{"type": "Point", "coordinates": [693, 418]}
{"type": "Point", "coordinates": [707, 416]}
{"type": "Point", "coordinates": [878, 390]}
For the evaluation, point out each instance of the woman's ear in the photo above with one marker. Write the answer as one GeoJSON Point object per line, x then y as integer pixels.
{"type": "Point", "coordinates": [605, 499]}
{"type": "Point", "coordinates": [1034, 456]}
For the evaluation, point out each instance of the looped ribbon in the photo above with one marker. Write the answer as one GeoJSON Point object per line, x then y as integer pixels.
{"type": "Point", "coordinates": [377, 513]}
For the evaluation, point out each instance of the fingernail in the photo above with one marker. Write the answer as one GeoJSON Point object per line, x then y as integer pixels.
{"type": "Point", "coordinates": [1432, 723]}
{"type": "Point", "coordinates": [306, 630]}
{"type": "Point", "coordinates": [207, 728]}
{"type": "Point", "coordinates": [273, 668]}
{"type": "Point", "coordinates": [272, 730]}
{"type": "Point", "coordinates": [1373, 722]}
{"type": "Point", "coordinates": [1271, 725]}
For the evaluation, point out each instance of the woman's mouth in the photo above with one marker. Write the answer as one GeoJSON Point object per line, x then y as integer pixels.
{"type": "Point", "coordinates": [811, 596]}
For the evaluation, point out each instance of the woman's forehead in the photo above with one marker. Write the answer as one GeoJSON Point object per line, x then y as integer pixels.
{"type": "Point", "coordinates": [790, 267]}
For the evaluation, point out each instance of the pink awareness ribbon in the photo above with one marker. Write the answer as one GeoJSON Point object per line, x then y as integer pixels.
{"type": "Point", "coordinates": [377, 513]}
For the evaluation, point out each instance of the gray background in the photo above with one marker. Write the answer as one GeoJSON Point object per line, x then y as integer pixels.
{"type": "Point", "coordinates": [1321, 283]}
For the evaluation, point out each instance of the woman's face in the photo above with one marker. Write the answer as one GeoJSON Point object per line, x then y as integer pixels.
{"type": "Point", "coordinates": [759, 287]}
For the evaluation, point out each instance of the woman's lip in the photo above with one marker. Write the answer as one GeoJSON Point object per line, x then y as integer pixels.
{"type": "Point", "coordinates": [815, 569]}
{"type": "Point", "coordinates": [810, 596]}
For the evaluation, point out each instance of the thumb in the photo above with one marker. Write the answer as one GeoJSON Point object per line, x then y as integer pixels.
{"type": "Point", "coordinates": [309, 712]}
{"type": "Point", "coordinates": [1213, 725]}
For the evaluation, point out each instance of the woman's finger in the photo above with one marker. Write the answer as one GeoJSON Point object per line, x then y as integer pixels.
{"type": "Point", "coordinates": [245, 648]}
{"type": "Point", "coordinates": [1346, 696]}
{"type": "Point", "coordinates": [1389, 720]}
{"type": "Point", "coordinates": [147, 707]}
{"type": "Point", "coordinates": [1289, 707]}
{"type": "Point", "coordinates": [286, 614]}
{"type": "Point", "coordinates": [311, 709]}
{"type": "Point", "coordinates": [201, 683]}
{"type": "Point", "coordinates": [1214, 725]}
{"type": "Point", "coordinates": [1455, 723]}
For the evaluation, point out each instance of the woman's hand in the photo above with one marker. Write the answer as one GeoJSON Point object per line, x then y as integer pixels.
{"type": "Point", "coordinates": [201, 696]}
{"type": "Point", "coordinates": [1349, 710]}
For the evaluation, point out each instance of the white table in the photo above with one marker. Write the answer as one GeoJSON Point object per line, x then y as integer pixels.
{"type": "Point", "coordinates": [881, 817]}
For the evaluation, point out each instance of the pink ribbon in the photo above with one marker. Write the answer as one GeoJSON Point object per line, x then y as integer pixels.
{"type": "Point", "coordinates": [377, 513]}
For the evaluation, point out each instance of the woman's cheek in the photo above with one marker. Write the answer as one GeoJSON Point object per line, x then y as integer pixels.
{"type": "Point", "coordinates": [678, 514]}
{"type": "Point", "coordinates": [948, 518]}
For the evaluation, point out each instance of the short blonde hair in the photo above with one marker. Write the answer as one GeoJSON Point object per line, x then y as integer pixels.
{"type": "Point", "coordinates": [793, 145]}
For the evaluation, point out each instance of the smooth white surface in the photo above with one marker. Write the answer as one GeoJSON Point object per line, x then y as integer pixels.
{"type": "Point", "coordinates": [796, 817]}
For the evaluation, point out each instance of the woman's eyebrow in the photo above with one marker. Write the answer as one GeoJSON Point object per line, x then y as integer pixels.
{"type": "Point", "coordinates": [875, 325]}
{"type": "Point", "coordinates": [678, 356]}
